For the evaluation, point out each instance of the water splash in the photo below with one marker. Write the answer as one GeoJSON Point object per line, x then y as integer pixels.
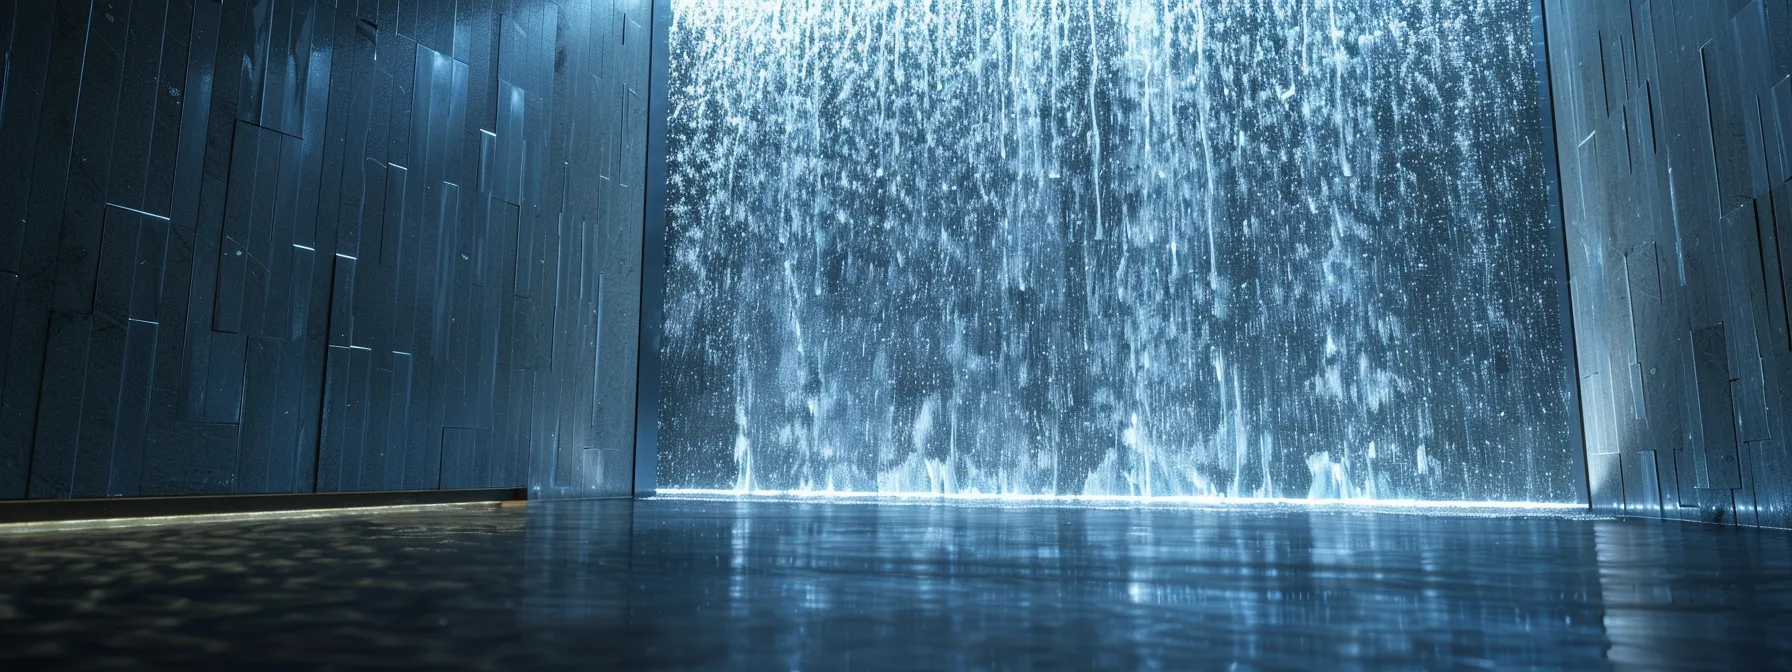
{"type": "Point", "coordinates": [1233, 248]}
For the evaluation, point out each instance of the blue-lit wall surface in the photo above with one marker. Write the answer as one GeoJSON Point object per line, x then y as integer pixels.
{"type": "Point", "coordinates": [1675, 121]}
{"type": "Point", "coordinates": [279, 246]}
{"type": "Point", "coordinates": [1239, 248]}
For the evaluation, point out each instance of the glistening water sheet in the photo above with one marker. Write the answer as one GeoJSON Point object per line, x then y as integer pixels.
{"type": "Point", "coordinates": [1242, 248]}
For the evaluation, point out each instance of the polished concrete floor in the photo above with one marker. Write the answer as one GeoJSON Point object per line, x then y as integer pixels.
{"type": "Point", "coordinates": [725, 584]}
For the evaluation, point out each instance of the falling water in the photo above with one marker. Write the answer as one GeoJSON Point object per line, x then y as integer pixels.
{"type": "Point", "coordinates": [1243, 248]}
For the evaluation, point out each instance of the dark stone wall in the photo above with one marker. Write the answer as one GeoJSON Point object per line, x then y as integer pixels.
{"type": "Point", "coordinates": [261, 246]}
{"type": "Point", "coordinates": [1674, 122]}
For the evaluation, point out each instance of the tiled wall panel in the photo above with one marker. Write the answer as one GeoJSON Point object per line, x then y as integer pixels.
{"type": "Point", "coordinates": [256, 246]}
{"type": "Point", "coordinates": [1674, 127]}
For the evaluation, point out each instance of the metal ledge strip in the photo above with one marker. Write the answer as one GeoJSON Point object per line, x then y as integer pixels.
{"type": "Point", "coordinates": [119, 508]}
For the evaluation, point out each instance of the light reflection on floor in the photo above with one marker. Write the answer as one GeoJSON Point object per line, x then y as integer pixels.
{"type": "Point", "coordinates": [752, 583]}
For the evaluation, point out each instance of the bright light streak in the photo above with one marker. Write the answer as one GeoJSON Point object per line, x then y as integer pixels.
{"type": "Point", "coordinates": [1204, 501]}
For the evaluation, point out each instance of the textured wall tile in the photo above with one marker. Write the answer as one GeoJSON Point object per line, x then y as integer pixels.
{"type": "Point", "coordinates": [1709, 335]}
{"type": "Point", "coordinates": [296, 245]}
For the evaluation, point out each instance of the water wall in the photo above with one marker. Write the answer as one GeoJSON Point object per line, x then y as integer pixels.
{"type": "Point", "coordinates": [1244, 248]}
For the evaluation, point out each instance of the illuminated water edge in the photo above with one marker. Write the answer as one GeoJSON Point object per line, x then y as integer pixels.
{"type": "Point", "coordinates": [1364, 504]}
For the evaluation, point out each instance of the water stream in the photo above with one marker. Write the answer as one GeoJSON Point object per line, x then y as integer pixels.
{"type": "Point", "coordinates": [1240, 248]}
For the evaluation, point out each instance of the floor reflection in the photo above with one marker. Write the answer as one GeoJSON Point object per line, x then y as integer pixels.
{"type": "Point", "coordinates": [1695, 596]}
{"type": "Point", "coordinates": [811, 585]}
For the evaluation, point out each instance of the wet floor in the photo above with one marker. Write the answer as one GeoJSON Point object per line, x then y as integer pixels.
{"type": "Point", "coordinates": [727, 584]}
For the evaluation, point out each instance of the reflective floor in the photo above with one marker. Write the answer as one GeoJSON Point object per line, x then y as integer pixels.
{"type": "Point", "coordinates": [800, 585]}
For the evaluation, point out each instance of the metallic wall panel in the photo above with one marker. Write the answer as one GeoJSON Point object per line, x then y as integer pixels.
{"type": "Point", "coordinates": [1696, 209]}
{"type": "Point", "coordinates": [275, 245]}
